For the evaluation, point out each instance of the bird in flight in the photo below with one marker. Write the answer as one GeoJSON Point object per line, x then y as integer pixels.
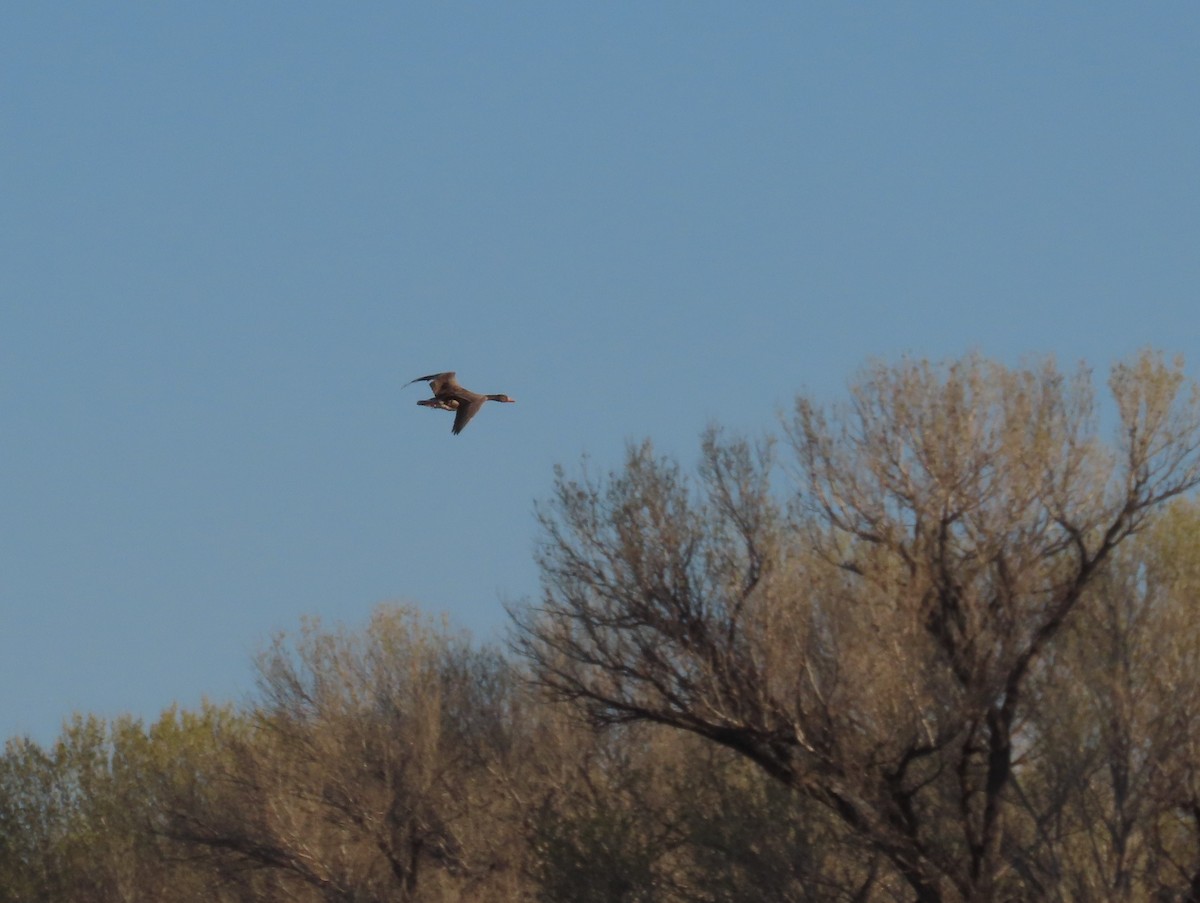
{"type": "Point", "coordinates": [448, 395]}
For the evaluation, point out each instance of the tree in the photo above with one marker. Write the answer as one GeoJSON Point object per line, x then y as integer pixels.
{"type": "Point", "coordinates": [78, 819]}
{"type": "Point", "coordinates": [368, 771]}
{"type": "Point", "coordinates": [1110, 789]}
{"type": "Point", "coordinates": [872, 640]}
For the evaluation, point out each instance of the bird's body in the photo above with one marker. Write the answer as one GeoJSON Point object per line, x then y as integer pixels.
{"type": "Point", "coordinates": [448, 395]}
{"type": "Point", "coordinates": [449, 405]}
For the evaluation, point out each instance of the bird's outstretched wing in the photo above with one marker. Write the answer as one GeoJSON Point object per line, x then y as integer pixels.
{"type": "Point", "coordinates": [438, 380]}
{"type": "Point", "coordinates": [464, 414]}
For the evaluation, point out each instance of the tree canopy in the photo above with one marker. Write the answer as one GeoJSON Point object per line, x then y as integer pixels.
{"type": "Point", "coordinates": [870, 626]}
{"type": "Point", "coordinates": [937, 642]}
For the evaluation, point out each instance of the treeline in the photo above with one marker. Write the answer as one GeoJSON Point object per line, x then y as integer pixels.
{"type": "Point", "coordinates": [945, 648]}
{"type": "Point", "coordinates": [396, 763]}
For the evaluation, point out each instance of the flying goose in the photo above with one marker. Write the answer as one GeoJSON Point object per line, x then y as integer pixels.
{"type": "Point", "coordinates": [448, 395]}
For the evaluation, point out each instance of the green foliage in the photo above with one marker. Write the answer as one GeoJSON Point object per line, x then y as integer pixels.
{"type": "Point", "coordinates": [78, 820]}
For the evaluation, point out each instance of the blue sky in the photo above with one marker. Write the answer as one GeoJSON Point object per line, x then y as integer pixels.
{"type": "Point", "coordinates": [232, 231]}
